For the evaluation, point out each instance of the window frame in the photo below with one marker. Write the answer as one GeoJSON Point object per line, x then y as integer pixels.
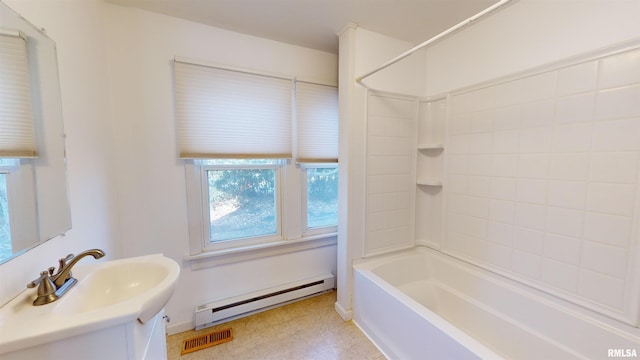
{"type": "Point", "coordinates": [306, 230]}
{"type": "Point", "coordinates": [293, 237]}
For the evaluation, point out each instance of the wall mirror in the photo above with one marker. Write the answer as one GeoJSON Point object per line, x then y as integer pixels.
{"type": "Point", "coordinates": [34, 205]}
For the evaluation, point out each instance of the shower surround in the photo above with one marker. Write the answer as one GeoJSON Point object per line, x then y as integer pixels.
{"type": "Point", "coordinates": [531, 177]}
{"type": "Point", "coordinates": [542, 180]}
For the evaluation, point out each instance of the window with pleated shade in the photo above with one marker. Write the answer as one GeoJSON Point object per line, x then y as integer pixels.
{"type": "Point", "coordinates": [17, 139]}
{"type": "Point", "coordinates": [224, 113]}
{"type": "Point", "coordinates": [243, 134]}
{"type": "Point", "coordinates": [317, 123]}
{"type": "Point", "coordinates": [232, 114]}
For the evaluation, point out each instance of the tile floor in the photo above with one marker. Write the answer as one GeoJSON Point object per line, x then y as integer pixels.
{"type": "Point", "coordinates": [306, 330]}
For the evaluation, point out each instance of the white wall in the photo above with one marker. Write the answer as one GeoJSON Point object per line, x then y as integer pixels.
{"type": "Point", "coordinates": [76, 27]}
{"type": "Point", "coordinates": [404, 77]}
{"type": "Point", "coordinates": [370, 50]}
{"type": "Point", "coordinates": [151, 179]}
{"type": "Point", "coordinates": [362, 50]}
{"type": "Point", "coordinates": [127, 185]}
{"type": "Point", "coordinates": [527, 34]}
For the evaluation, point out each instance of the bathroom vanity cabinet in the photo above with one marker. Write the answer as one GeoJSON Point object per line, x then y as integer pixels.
{"type": "Point", "coordinates": [129, 341]}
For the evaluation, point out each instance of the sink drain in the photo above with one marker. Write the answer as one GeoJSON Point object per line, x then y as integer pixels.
{"type": "Point", "coordinates": [206, 340]}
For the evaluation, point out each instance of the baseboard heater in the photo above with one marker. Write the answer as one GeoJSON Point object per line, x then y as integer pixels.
{"type": "Point", "coordinates": [233, 308]}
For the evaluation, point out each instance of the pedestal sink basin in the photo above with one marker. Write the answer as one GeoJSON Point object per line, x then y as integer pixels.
{"type": "Point", "coordinates": [107, 294]}
{"type": "Point", "coordinates": [120, 281]}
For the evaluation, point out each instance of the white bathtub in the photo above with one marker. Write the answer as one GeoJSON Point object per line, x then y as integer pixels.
{"type": "Point", "coordinates": [424, 304]}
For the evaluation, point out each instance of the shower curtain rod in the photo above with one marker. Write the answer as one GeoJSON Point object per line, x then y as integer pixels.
{"type": "Point", "coordinates": [458, 26]}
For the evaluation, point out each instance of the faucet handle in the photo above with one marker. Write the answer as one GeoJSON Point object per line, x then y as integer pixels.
{"type": "Point", "coordinates": [44, 276]}
{"type": "Point", "coordinates": [46, 288]}
{"type": "Point", "coordinates": [63, 261]}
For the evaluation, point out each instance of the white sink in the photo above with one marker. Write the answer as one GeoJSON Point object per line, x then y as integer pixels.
{"type": "Point", "coordinates": [107, 294]}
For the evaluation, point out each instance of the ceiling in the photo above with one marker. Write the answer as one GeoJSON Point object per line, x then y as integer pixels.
{"type": "Point", "coordinates": [315, 23]}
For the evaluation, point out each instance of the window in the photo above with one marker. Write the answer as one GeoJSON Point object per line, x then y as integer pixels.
{"type": "Point", "coordinates": [243, 199]}
{"type": "Point", "coordinates": [16, 197]}
{"type": "Point", "coordinates": [5, 226]}
{"type": "Point", "coordinates": [261, 157]}
{"type": "Point", "coordinates": [321, 197]}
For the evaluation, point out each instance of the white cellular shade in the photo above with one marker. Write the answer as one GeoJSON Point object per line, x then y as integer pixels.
{"type": "Point", "coordinates": [16, 120]}
{"type": "Point", "coordinates": [231, 114]}
{"type": "Point", "coordinates": [317, 120]}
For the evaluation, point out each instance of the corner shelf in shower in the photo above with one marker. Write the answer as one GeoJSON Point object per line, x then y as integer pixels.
{"type": "Point", "coordinates": [432, 146]}
{"type": "Point", "coordinates": [429, 182]}
{"type": "Point", "coordinates": [430, 171]}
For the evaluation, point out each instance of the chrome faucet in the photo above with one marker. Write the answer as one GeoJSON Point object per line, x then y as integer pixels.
{"type": "Point", "coordinates": [52, 286]}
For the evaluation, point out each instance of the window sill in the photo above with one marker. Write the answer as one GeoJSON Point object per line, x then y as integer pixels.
{"type": "Point", "coordinates": [227, 256]}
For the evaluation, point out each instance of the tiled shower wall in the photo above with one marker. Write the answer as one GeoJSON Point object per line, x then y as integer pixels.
{"type": "Point", "coordinates": [391, 139]}
{"type": "Point", "coordinates": [542, 180]}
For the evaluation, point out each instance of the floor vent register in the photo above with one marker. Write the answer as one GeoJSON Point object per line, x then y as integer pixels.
{"type": "Point", "coordinates": [206, 340]}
